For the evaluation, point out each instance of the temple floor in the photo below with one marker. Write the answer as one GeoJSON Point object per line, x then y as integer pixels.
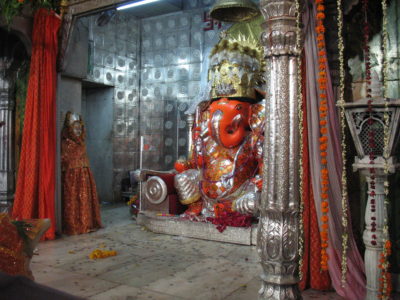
{"type": "Point", "coordinates": [149, 265]}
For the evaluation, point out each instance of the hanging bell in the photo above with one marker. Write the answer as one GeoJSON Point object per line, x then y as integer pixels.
{"type": "Point", "coordinates": [234, 10]}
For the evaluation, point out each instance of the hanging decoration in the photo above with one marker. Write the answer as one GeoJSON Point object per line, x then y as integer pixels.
{"type": "Point", "coordinates": [323, 109]}
{"type": "Point", "coordinates": [371, 133]}
{"type": "Point", "coordinates": [300, 108]}
{"type": "Point", "coordinates": [12, 8]}
{"type": "Point", "coordinates": [385, 282]}
{"type": "Point", "coordinates": [341, 102]}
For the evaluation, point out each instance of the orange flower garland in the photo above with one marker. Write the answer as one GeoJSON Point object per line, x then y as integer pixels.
{"type": "Point", "coordinates": [323, 109]}
{"type": "Point", "coordinates": [99, 253]}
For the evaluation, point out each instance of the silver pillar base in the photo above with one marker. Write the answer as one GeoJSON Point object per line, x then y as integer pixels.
{"type": "Point", "coordinates": [279, 292]}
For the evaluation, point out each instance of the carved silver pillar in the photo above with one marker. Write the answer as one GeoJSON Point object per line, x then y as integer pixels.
{"type": "Point", "coordinates": [278, 232]}
{"type": "Point", "coordinates": [190, 121]}
{"type": "Point", "coordinates": [6, 137]}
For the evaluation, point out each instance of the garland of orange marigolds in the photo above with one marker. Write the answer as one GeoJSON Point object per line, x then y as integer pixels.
{"type": "Point", "coordinates": [323, 114]}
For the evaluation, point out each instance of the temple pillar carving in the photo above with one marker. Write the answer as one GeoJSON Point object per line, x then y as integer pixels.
{"type": "Point", "coordinates": [7, 182]}
{"type": "Point", "coordinates": [278, 232]}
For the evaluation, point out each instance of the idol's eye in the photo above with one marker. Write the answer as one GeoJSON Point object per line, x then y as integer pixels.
{"type": "Point", "coordinates": [238, 107]}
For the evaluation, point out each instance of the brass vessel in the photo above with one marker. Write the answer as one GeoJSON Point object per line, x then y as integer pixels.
{"type": "Point", "coordinates": [234, 10]}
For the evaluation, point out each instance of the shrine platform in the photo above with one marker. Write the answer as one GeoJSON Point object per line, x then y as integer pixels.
{"type": "Point", "coordinates": [175, 225]}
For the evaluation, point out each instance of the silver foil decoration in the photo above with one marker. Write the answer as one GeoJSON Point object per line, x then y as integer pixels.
{"type": "Point", "coordinates": [278, 231]}
{"type": "Point", "coordinates": [249, 202]}
{"type": "Point", "coordinates": [155, 190]}
{"type": "Point", "coordinates": [187, 185]}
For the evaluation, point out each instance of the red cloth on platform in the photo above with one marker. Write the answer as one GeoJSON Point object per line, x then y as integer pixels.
{"type": "Point", "coordinates": [313, 277]}
{"type": "Point", "coordinates": [34, 197]}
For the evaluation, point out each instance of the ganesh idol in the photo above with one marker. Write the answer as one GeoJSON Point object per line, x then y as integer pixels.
{"type": "Point", "coordinates": [225, 162]}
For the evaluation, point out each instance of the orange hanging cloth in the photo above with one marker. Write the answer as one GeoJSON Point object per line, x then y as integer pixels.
{"type": "Point", "coordinates": [34, 197]}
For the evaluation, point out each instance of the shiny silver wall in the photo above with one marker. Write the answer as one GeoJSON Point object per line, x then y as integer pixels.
{"type": "Point", "coordinates": [156, 66]}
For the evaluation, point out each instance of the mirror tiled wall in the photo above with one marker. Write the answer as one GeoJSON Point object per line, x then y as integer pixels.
{"type": "Point", "coordinates": [156, 67]}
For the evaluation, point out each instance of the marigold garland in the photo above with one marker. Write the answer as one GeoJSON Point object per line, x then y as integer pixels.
{"type": "Point", "coordinates": [323, 108]}
{"type": "Point", "coordinates": [98, 253]}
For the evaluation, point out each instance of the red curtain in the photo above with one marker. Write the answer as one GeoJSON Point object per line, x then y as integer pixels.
{"type": "Point", "coordinates": [313, 277]}
{"type": "Point", "coordinates": [34, 197]}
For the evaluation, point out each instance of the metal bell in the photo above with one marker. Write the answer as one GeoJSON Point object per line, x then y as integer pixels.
{"type": "Point", "coordinates": [234, 10]}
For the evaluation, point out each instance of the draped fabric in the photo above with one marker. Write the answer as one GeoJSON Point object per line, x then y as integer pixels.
{"type": "Point", "coordinates": [81, 209]}
{"type": "Point", "coordinates": [35, 191]}
{"type": "Point", "coordinates": [313, 277]}
{"type": "Point", "coordinates": [355, 283]}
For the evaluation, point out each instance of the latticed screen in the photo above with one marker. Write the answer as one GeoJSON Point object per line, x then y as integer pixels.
{"type": "Point", "coordinates": [376, 128]}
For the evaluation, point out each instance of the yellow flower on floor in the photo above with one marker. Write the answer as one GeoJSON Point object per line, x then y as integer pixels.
{"type": "Point", "coordinates": [132, 200]}
{"type": "Point", "coordinates": [102, 253]}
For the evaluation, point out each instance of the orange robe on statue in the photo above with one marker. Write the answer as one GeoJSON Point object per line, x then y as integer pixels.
{"type": "Point", "coordinates": [81, 209]}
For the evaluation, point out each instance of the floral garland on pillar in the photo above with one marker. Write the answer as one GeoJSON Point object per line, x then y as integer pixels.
{"type": "Point", "coordinates": [371, 133]}
{"type": "Point", "coordinates": [300, 108]}
{"type": "Point", "coordinates": [385, 281]}
{"type": "Point", "coordinates": [341, 102]}
{"type": "Point", "coordinates": [323, 109]}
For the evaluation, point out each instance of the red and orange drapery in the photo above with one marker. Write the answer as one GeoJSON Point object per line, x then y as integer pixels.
{"type": "Point", "coordinates": [34, 197]}
{"type": "Point", "coordinates": [313, 276]}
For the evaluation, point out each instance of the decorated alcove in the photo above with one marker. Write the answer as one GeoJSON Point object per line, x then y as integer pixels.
{"type": "Point", "coordinates": [138, 74]}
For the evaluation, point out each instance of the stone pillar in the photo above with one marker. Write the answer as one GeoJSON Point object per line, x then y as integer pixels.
{"type": "Point", "coordinates": [278, 232]}
{"type": "Point", "coordinates": [7, 183]}
{"type": "Point", "coordinates": [378, 215]}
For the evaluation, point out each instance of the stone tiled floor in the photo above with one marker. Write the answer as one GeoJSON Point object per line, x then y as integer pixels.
{"type": "Point", "coordinates": [150, 266]}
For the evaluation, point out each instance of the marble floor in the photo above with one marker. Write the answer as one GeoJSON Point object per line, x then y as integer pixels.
{"type": "Point", "coordinates": [149, 265]}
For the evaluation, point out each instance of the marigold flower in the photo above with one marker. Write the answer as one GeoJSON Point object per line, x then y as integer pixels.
{"type": "Point", "coordinates": [324, 130]}
{"type": "Point", "coordinates": [324, 218]}
{"type": "Point", "coordinates": [323, 147]}
{"type": "Point", "coordinates": [323, 108]}
{"type": "Point", "coordinates": [324, 196]}
{"type": "Point", "coordinates": [320, 15]}
{"type": "Point", "coordinates": [324, 204]}
{"type": "Point", "coordinates": [320, 7]}
{"type": "Point", "coordinates": [325, 182]}
{"type": "Point", "coordinates": [321, 53]}
{"type": "Point", "coordinates": [320, 29]}
{"type": "Point", "coordinates": [325, 189]}
{"type": "Point", "coordinates": [323, 139]}
{"type": "Point", "coordinates": [323, 122]}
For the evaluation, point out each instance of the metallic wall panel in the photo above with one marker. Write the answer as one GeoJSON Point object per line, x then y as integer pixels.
{"type": "Point", "coordinates": [168, 64]}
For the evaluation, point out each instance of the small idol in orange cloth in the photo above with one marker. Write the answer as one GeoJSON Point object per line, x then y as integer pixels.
{"type": "Point", "coordinates": [81, 209]}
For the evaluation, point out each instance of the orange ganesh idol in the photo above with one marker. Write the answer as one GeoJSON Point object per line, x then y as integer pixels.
{"type": "Point", "coordinates": [225, 164]}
